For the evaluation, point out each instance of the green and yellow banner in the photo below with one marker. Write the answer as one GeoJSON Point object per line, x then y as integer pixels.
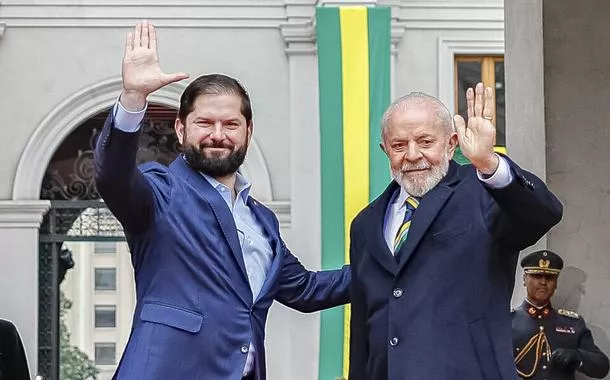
{"type": "Point", "coordinates": [354, 85]}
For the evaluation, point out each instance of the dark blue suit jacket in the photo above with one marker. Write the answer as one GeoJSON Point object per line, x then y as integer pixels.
{"type": "Point", "coordinates": [443, 311]}
{"type": "Point", "coordinates": [195, 316]}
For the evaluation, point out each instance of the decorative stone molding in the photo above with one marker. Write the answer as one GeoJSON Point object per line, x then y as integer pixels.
{"type": "Point", "coordinates": [300, 34]}
{"type": "Point", "coordinates": [419, 14]}
{"type": "Point", "coordinates": [117, 13]}
{"type": "Point", "coordinates": [22, 214]}
{"type": "Point", "coordinates": [346, 3]}
{"type": "Point", "coordinates": [89, 101]}
{"type": "Point", "coordinates": [282, 210]}
{"type": "Point", "coordinates": [397, 31]}
{"type": "Point", "coordinates": [299, 37]}
{"type": "Point", "coordinates": [303, 9]}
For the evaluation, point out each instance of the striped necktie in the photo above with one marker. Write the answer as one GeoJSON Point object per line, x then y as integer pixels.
{"type": "Point", "coordinates": [401, 235]}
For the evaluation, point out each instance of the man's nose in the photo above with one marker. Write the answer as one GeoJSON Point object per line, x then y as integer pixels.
{"type": "Point", "coordinates": [218, 133]}
{"type": "Point", "coordinates": [413, 153]}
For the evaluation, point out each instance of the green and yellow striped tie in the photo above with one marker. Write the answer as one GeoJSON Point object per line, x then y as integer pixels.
{"type": "Point", "coordinates": [401, 235]}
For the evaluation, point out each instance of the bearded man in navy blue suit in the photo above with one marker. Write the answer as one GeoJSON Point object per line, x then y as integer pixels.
{"type": "Point", "coordinates": [208, 258]}
{"type": "Point", "coordinates": [434, 257]}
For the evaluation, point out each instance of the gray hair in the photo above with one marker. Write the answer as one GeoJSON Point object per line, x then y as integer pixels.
{"type": "Point", "coordinates": [441, 113]}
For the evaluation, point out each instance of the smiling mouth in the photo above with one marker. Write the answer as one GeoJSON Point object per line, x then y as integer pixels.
{"type": "Point", "coordinates": [414, 170]}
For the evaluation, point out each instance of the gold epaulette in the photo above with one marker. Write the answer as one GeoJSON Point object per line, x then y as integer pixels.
{"type": "Point", "coordinates": [568, 313]}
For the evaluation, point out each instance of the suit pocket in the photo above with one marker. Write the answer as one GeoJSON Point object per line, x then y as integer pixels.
{"type": "Point", "coordinates": [172, 316]}
{"type": "Point", "coordinates": [175, 347]}
{"type": "Point", "coordinates": [484, 350]}
{"type": "Point", "coordinates": [451, 232]}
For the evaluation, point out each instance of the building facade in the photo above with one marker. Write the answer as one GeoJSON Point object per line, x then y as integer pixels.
{"type": "Point", "coordinates": [60, 67]}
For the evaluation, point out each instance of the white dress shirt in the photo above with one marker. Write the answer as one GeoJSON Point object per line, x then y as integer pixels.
{"type": "Point", "coordinates": [395, 213]}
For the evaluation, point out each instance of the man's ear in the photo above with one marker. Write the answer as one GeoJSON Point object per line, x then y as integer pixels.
{"type": "Point", "coordinates": [250, 128]}
{"type": "Point", "coordinates": [179, 127]}
{"type": "Point", "coordinates": [382, 147]}
{"type": "Point", "coordinates": [453, 143]}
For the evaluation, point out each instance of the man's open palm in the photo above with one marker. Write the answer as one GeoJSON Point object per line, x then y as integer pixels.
{"type": "Point", "coordinates": [141, 71]}
{"type": "Point", "coordinates": [478, 137]}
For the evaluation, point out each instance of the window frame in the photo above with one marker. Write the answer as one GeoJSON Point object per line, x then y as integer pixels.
{"type": "Point", "coordinates": [488, 78]}
{"type": "Point", "coordinates": [95, 270]}
{"type": "Point", "coordinates": [105, 307]}
{"type": "Point", "coordinates": [104, 248]}
{"type": "Point", "coordinates": [106, 344]}
{"type": "Point", "coordinates": [488, 73]}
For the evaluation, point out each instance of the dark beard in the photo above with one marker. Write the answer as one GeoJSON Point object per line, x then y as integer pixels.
{"type": "Point", "coordinates": [215, 167]}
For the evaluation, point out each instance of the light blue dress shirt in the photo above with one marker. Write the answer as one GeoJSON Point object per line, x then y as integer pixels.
{"type": "Point", "coordinates": [256, 249]}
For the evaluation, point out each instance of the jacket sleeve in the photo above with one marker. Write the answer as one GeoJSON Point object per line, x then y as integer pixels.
{"type": "Point", "coordinates": [358, 336]}
{"type": "Point", "coordinates": [594, 361]}
{"type": "Point", "coordinates": [122, 186]}
{"type": "Point", "coordinates": [309, 291]}
{"type": "Point", "coordinates": [520, 213]}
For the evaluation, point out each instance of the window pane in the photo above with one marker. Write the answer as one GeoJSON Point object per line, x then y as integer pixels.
{"type": "Point", "coordinates": [105, 247]}
{"type": "Point", "coordinates": [469, 74]}
{"type": "Point", "coordinates": [105, 353]}
{"type": "Point", "coordinates": [105, 278]}
{"type": "Point", "coordinates": [500, 104]}
{"type": "Point", "coordinates": [105, 316]}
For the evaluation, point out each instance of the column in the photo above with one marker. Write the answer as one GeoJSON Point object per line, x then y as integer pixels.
{"type": "Point", "coordinates": [525, 124]}
{"type": "Point", "coordinates": [19, 223]}
{"type": "Point", "coordinates": [305, 237]}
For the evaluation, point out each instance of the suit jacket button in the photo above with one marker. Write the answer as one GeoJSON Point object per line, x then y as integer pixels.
{"type": "Point", "coordinates": [397, 293]}
{"type": "Point", "coordinates": [394, 342]}
{"type": "Point", "coordinates": [244, 349]}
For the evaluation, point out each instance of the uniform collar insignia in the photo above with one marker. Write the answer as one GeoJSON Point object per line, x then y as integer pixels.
{"type": "Point", "coordinates": [537, 312]}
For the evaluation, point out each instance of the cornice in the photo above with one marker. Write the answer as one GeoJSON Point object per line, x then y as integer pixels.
{"type": "Point", "coordinates": [22, 214]}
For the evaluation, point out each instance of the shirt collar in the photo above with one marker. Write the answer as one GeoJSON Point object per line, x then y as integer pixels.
{"type": "Point", "coordinates": [242, 185]}
{"type": "Point", "coordinates": [401, 198]}
{"type": "Point", "coordinates": [534, 311]}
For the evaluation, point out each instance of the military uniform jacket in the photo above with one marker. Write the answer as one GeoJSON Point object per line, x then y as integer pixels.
{"type": "Point", "coordinates": [537, 332]}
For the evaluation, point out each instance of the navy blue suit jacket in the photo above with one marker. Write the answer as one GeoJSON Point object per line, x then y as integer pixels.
{"type": "Point", "coordinates": [195, 315]}
{"type": "Point", "coordinates": [443, 311]}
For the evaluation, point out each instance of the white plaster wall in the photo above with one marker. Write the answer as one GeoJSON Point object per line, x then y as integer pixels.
{"type": "Point", "coordinates": [432, 32]}
{"type": "Point", "coordinates": [44, 66]}
{"type": "Point", "coordinates": [48, 53]}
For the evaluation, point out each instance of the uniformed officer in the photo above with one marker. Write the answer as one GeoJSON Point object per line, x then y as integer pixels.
{"type": "Point", "coordinates": [551, 343]}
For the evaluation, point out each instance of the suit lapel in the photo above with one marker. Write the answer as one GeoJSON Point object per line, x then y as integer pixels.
{"type": "Point", "coordinates": [377, 244]}
{"type": "Point", "coordinates": [274, 241]}
{"type": "Point", "coordinates": [429, 207]}
{"type": "Point", "coordinates": [219, 207]}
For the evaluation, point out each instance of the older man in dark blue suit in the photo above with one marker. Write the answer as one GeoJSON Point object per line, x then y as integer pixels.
{"type": "Point", "coordinates": [434, 257]}
{"type": "Point", "coordinates": [208, 258]}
